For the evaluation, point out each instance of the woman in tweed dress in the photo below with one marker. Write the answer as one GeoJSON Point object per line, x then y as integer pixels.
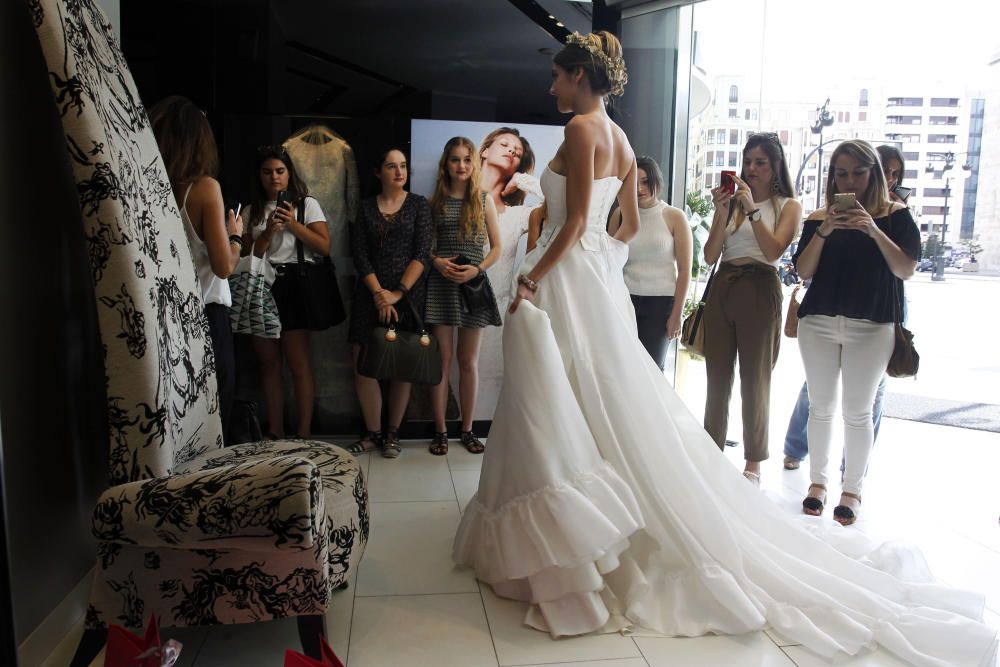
{"type": "Point", "coordinates": [464, 218]}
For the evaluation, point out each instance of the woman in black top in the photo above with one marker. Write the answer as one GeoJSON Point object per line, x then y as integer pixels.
{"type": "Point", "coordinates": [857, 258]}
{"type": "Point", "coordinates": [391, 244]}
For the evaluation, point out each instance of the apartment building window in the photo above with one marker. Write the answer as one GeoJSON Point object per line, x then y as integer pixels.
{"type": "Point", "coordinates": [943, 120]}
{"type": "Point", "coordinates": [720, 158]}
{"type": "Point", "coordinates": [734, 137]}
{"type": "Point", "coordinates": [734, 94]}
{"type": "Point", "coordinates": [944, 101]}
{"type": "Point", "coordinates": [906, 138]}
{"type": "Point", "coordinates": [933, 210]}
{"type": "Point", "coordinates": [746, 114]}
{"type": "Point", "coordinates": [863, 98]}
{"type": "Point", "coordinates": [935, 192]}
{"type": "Point", "coordinates": [910, 173]}
{"type": "Point", "coordinates": [903, 120]}
{"type": "Point", "coordinates": [720, 136]}
{"type": "Point", "coordinates": [783, 137]}
{"type": "Point", "coordinates": [733, 113]}
{"type": "Point", "coordinates": [732, 158]}
{"type": "Point", "coordinates": [710, 158]}
{"type": "Point", "coordinates": [911, 155]}
{"type": "Point", "coordinates": [710, 138]}
{"type": "Point", "coordinates": [941, 138]}
{"type": "Point", "coordinates": [905, 102]}
{"type": "Point", "coordinates": [862, 116]}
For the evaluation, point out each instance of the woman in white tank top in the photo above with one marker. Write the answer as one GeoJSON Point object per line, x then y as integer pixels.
{"type": "Point", "coordinates": [751, 229]}
{"type": "Point", "coordinates": [192, 161]}
{"type": "Point", "coordinates": [658, 271]}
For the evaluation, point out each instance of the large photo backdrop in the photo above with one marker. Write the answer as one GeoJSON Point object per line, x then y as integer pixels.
{"type": "Point", "coordinates": [513, 157]}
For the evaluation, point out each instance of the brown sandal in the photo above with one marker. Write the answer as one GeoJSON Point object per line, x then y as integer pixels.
{"type": "Point", "coordinates": [472, 443]}
{"type": "Point", "coordinates": [439, 443]}
{"type": "Point", "coordinates": [373, 440]}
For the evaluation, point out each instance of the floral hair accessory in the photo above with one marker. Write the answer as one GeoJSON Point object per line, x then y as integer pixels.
{"type": "Point", "coordinates": [614, 68]}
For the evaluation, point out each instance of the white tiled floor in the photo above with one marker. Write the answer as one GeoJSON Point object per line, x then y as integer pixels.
{"type": "Point", "coordinates": [409, 606]}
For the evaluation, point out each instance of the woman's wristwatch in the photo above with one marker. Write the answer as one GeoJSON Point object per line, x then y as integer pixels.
{"type": "Point", "coordinates": [237, 239]}
{"type": "Point", "coordinates": [754, 215]}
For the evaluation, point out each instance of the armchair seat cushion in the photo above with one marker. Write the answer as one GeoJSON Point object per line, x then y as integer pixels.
{"type": "Point", "coordinates": [256, 505]}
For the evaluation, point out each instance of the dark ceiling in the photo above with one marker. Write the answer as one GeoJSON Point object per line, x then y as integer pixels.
{"type": "Point", "coordinates": [346, 56]}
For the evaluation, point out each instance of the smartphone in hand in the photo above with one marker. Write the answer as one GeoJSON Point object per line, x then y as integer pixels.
{"type": "Point", "coordinates": [902, 192]}
{"type": "Point", "coordinates": [843, 201]}
{"type": "Point", "coordinates": [282, 198]}
{"type": "Point", "coordinates": [728, 181]}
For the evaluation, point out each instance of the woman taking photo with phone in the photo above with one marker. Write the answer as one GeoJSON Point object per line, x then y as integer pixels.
{"type": "Point", "coordinates": [658, 270]}
{"type": "Point", "coordinates": [464, 219]}
{"type": "Point", "coordinates": [857, 256]}
{"type": "Point", "coordinates": [189, 153]}
{"type": "Point", "coordinates": [390, 242]}
{"type": "Point", "coordinates": [797, 437]}
{"type": "Point", "coordinates": [755, 221]}
{"type": "Point", "coordinates": [276, 231]}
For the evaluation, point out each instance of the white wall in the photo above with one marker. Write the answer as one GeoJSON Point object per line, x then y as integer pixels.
{"type": "Point", "coordinates": [113, 10]}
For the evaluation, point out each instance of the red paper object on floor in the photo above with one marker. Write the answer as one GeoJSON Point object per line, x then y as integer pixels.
{"type": "Point", "coordinates": [128, 650]}
{"type": "Point", "coordinates": [330, 659]}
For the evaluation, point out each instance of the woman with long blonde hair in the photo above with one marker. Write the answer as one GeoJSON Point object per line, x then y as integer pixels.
{"type": "Point", "coordinates": [464, 219]}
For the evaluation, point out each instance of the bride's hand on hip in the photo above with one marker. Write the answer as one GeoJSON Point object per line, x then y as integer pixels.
{"type": "Point", "coordinates": [523, 294]}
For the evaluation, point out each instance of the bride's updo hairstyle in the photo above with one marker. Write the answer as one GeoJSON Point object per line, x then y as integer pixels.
{"type": "Point", "coordinates": [599, 55]}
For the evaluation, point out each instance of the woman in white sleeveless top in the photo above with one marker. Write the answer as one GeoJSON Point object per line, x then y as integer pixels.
{"type": "Point", "coordinates": [189, 153]}
{"type": "Point", "coordinates": [750, 232]}
{"type": "Point", "coordinates": [658, 271]}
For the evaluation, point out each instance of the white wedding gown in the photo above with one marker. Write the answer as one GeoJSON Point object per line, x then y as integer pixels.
{"type": "Point", "coordinates": [604, 504]}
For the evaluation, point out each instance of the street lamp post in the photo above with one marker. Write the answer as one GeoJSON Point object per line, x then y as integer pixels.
{"type": "Point", "coordinates": [823, 119]}
{"type": "Point", "coordinates": [949, 163]}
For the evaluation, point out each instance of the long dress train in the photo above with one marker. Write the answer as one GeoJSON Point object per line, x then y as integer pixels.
{"type": "Point", "coordinates": [603, 502]}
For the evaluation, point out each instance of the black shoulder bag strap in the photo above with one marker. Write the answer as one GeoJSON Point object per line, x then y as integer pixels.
{"type": "Point", "coordinates": [300, 253]}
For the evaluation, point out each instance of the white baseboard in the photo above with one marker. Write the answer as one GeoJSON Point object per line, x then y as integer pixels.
{"type": "Point", "coordinates": [53, 642]}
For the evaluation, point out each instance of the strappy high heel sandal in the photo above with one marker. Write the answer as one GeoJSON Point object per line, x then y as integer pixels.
{"type": "Point", "coordinates": [439, 443]}
{"type": "Point", "coordinates": [390, 444]}
{"type": "Point", "coordinates": [752, 477]}
{"type": "Point", "coordinates": [472, 443]}
{"type": "Point", "coordinates": [813, 505]}
{"type": "Point", "coordinates": [843, 514]}
{"type": "Point", "coordinates": [373, 437]}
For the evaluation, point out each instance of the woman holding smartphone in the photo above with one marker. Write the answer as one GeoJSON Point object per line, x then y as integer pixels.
{"type": "Point", "coordinates": [390, 243]}
{"type": "Point", "coordinates": [464, 219]}
{"type": "Point", "coordinates": [658, 270]}
{"type": "Point", "coordinates": [275, 231]}
{"type": "Point", "coordinates": [754, 224]}
{"type": "Point", "coordinates": [797, 437]}
{"type": "Point", "coordinates": [189, 153]}
{"type": "Point", "coordinates": [857, 257]}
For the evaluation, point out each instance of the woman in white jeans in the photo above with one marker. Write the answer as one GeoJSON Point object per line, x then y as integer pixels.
{"type": "Point", "coordinates": [857, 258]}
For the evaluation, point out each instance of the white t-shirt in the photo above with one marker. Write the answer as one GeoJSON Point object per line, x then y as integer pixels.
{"type": "Point", "coordinates": [282, 250]}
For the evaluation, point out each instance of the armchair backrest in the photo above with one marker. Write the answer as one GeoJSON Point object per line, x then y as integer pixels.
{"type": "Point", "coordinates": [160, 371]}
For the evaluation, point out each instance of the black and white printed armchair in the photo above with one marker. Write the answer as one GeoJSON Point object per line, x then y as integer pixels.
{"type": "Point", "coordinates": [190, 531]}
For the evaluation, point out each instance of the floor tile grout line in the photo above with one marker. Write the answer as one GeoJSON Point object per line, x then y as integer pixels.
{"type": "Point", "coordinates": [489, 627]}
{"type": "Point", "coordinates": [200, 646]}
{"type": "Point", "coordinates": [409, 595]}
{"type": "Point", "coordinates": [790, 658]}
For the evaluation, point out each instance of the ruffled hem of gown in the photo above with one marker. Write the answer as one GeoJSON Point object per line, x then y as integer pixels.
{"type": "Point", "coordinates": [527, 536]}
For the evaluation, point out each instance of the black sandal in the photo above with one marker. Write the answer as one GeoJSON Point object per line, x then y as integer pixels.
{"type": "Point", "coordinates": [472, 443]}
{"type": "Point", "coordinates": [374, 437]}
{"type": "Point", "coordinates": [812, 505]}
{"type": "Point", "coordinates": [439, 443]}
{"type": "Point", "coordinates": [843, 514]}
{"type": "Point", "coordinates": [390, 444]}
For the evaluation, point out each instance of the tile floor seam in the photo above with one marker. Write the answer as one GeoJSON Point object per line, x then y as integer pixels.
{"type": "Point", "coordinates": [350, 625]}
{"type": "Point", "coordinates": [201, 644]}
{"type": "Point", "coordinates": [785, 653]}
{"type": "Point", "coordinates": [489, 627]}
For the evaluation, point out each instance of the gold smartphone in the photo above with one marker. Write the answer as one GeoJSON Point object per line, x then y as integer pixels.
{"type": "Point", "coordinates": [843, 201]}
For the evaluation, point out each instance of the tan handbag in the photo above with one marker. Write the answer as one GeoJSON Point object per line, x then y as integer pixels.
{"type": "Point", "coordinates": [792, 317]}
{"type": "Point", "coordinates": [693, 329]}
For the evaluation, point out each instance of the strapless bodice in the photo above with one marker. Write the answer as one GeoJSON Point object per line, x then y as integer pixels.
{"type": "Point", "coordinates": [602, 196]}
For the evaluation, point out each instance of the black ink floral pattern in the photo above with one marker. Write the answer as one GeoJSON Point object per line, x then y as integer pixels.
{"type": "Point", "coordinates": [188, 530]}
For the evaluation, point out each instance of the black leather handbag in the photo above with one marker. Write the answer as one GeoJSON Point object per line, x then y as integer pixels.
{"type": "Point", "coordinates": [392, 354]}
{"type": "Point", "coordinates": [313, 286]}
{"type": "Point", "coordinates": [477, 294]}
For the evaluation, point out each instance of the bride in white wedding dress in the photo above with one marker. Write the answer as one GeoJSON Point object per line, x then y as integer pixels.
{"type": "Point", "coordinates": [602, 501]}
